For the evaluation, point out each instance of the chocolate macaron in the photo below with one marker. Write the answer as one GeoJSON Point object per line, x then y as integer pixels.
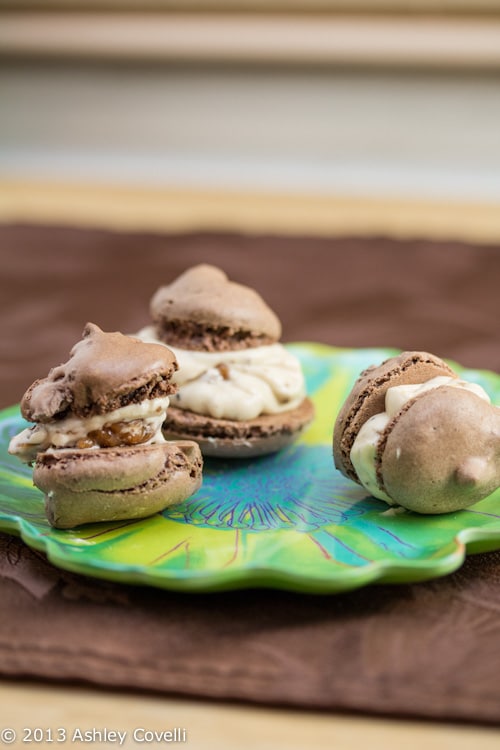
{"type": "Point", "coordinates": [241, 393]}
{"type": "Point", "coordinates": [415, 435]}
{"type": "Point", "coordinates": [97, 445]}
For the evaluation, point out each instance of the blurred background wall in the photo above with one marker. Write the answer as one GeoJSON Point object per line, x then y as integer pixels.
{"type": "Point", "coordinates": [364, 98]}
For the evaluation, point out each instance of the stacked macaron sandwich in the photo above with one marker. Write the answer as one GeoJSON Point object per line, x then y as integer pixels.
{"type": "Point", "coordinates": [97, 444]}
{"type": "Point", "coordinates": [240, 392]}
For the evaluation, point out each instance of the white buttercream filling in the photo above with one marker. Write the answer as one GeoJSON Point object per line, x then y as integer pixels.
{"type": "Point", "coordinates": [237, 385]}
{"type": "Point", "coordinates": [65, 433]}
{"type": "Point", "coordinates": [365, 446]}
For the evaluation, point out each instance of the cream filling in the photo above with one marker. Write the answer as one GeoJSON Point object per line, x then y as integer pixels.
{"type": "Point", "coordinates": [364, 449]}
{"type": "Point", "coordinates": [65, 433]}
{"type": "Point", "coordinates": [237, 385]}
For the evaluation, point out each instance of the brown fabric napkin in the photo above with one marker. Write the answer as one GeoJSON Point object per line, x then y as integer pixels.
{"type": "Point", "coordinates": [429, 649]}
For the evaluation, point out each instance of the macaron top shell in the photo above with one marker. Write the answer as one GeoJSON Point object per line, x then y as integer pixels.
{"type": "Point", "coordinates": [203, 309]}
{"type": "Point", "coordinates": [104, 372]}
{"type": "Point", "coordinates": [441, 453]}
{"type": "Point", "coordinates": [367, 398]}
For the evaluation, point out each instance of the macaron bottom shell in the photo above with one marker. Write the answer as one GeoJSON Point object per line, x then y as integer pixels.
{"type": "Point", "coordinates": [223, 438]}
{"type": "Point", "coordinates": [91, 486]}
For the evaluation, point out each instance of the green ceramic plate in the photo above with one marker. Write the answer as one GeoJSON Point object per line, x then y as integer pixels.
{"type": "Point", "coordinates": [287, 521]}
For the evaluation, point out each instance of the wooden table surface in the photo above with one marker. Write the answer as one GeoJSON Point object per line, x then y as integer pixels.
{"type": "Point", "coordinates": [174, 210]}
{"type": "Point", "coordinates": [221, 726]}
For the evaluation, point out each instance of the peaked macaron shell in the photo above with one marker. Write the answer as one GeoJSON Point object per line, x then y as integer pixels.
{"type": "Point", "coordinates": [203, 309]}
{"type": "Point", "coordinates": [441, 453]}
{"type": "Point", "coordinates": [367, 398]}
{"type": "Point", "coordinates": [104, 372]}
